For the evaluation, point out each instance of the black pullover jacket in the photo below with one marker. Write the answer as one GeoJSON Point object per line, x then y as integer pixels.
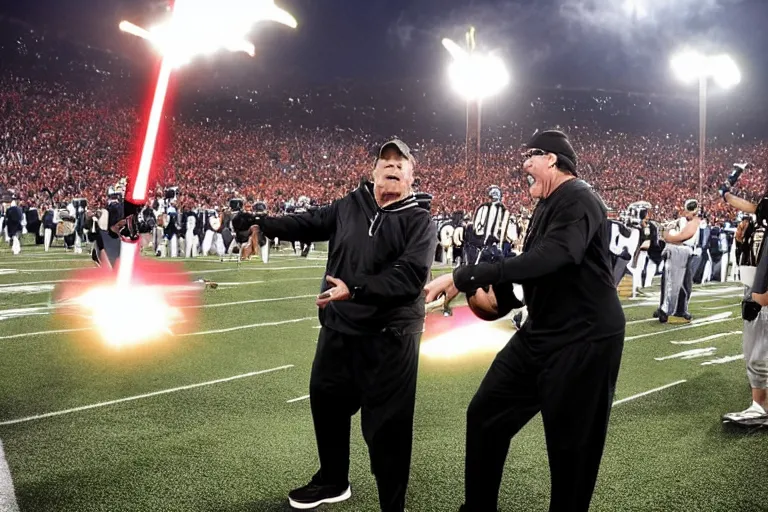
{"type": "Point", "coordinates": [383, 255]}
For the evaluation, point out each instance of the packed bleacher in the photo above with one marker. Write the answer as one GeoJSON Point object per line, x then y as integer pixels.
{"type": "Point", "coordinates": [76, 133]}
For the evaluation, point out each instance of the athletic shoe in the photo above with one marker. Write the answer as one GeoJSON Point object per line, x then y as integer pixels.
{"type": "Point", "coordinates": [313, 495]}
{"type": "Point", "coordinates": [663, 317]}
{"type": "Point", "coordinates": [755, 414]}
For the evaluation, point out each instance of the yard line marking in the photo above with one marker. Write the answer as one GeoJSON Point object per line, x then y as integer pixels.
{"type": "Point", "coordinates": [720, 298]}
{"type": "Point", "coordinates": [709, 320]}
{"type": "Point", "coordinates": [706, 338]}
{"type": "Point", "coordinates": [39, 333]}
{"type": "Point", "coordinates": [24, 283]}
{"type": "Point", "coordinates": [633, 322]}
{"type": "Point", "coordinates": [44, 261]}
{"type": "Point", "coordinates": [254, 301]}
{"type": "Point", "coordinates": [689, 326]}
{"type": "Point", "coordinates": [654, 390]}
{"type": "Point", "coordinates": [715, 308]}
{"type": "Point", "coordinates": [297, 399]}
{"type": "Point", "coordinates": [251, 326]}
{"type": "Point", "coordinates": [145, 395]}
{"type": "Point", "coordinates": [215, 331]}
{"type": "Point", "coordinates": [689, 354]}
{"type": "Point", "coordinates": [723, 360]}
{"type": "Point", "coordinates": [7, 314]}
{"type": "Point", "coordinates": [241, 283]}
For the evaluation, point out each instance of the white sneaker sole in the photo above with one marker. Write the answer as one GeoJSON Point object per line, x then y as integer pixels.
{"type": "Point", "coordinates": [336, 499]}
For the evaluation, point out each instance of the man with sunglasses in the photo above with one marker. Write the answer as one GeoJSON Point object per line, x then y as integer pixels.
{"type": "Point", "coordinates": [564, 360]}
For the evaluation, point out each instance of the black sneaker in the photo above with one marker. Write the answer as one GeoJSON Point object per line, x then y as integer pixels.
{"type": "Point", "coordinates": [313, 495]}
{"type": "Point", "coordinates": [663, 317]}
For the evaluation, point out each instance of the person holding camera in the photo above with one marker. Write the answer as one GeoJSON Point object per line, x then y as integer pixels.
{"type": "Point", "coordinates": [754, 307]}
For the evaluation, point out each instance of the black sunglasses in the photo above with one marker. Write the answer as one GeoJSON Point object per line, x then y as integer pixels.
{"type": "Point", "coordinates": [534, 152]}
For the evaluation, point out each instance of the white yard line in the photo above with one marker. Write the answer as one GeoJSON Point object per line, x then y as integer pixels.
{"type": "Point", "coordinates": [689, 354]}
{"type": "Point", "coordinates": [40, 333]}
{"type": "Point", "coordinates": [643, 321]}
{"type": "Point", "coordinates": [716, 308]}
{"type": "Point", "coordinates": [243, 283]}
{"type": "Point", "coordinates": [254, 301]}
{"type": "Point", "coordinates": [145, 395]}
{"type": "Point", "coordinates": [27, 283]}
{"type": "Point", "coordinates": [644, 393]}
{"type": "Point", "coordinates": [250, 326]}
{"type": "Point", "coordinates": [297, 399]}
{"type": "Point", "coordinates": [215, 331]}
{"type": "Point", "coordinates": [723, 360]}
{"type": "Point", "coordinates": [689, 326]}
{"type": "Point", "coordinates": [706, 338]}
{"type": "Point", "coordinates": [714, 319]}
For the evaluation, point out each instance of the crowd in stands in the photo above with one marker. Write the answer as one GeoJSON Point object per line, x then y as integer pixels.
{"type": "Point", "coordinates": [76, 140]}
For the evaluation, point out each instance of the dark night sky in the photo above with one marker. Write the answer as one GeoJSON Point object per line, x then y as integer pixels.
{"type": "Point", "coordinates": [576, 43]}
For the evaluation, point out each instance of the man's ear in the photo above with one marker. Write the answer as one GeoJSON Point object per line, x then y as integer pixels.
{"type": "Point", "coordinates": [552, 159]}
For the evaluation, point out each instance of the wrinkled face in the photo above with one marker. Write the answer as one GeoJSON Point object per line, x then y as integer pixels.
{"type": "Point", "coordinates": [392, 177]}
{"type": "Point", "coordinates": [540, 172]}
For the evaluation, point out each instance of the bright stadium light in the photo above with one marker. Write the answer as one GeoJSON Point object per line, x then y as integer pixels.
{"type": "Point", "coordinates": [475, 77]}
{"type": "Point", "coordinates": [636, 8]}
{"type": "Point", "coordinates": [202, 27]}
{"type": "Point", "coordinates": [690, 66]}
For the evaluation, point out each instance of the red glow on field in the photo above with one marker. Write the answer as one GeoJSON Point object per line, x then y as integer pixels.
{"type": "Point", "coordinates": [157, 302]}
{"type": "Point", "coordinates": [463, 334]}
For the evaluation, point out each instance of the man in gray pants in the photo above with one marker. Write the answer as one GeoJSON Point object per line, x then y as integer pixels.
{"type": "Point", "coordinates": [676, 282]}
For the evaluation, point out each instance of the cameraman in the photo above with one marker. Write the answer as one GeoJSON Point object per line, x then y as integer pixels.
{"type": "Point", "coordinates": [754, 310]}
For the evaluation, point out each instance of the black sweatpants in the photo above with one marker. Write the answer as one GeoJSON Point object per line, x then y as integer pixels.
{"type": "Point", "coordinates": [378, 375]}
{"type": "Point", "coordinates": [573, 388]}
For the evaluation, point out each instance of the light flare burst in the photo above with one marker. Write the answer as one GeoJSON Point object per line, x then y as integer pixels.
{"type": "Point", "coordinates": [157, 317]}
{"type": "Point", "coordinates": [122, 307]}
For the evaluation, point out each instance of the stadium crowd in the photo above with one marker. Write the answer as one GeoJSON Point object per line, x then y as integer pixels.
{"type": "Point", "coordinates": [77, 138]}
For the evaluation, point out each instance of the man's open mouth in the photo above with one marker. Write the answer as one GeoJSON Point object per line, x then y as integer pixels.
{"type": "Point", "coordinates": [531, 180]}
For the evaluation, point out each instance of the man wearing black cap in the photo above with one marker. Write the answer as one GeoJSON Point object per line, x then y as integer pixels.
{"type": "Point", "coordinates": [381, 243]}
{"type": "Point", "coordinates": [564, 360]}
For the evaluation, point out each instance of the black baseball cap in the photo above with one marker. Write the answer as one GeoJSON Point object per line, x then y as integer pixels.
{"type": "Point", "coordinates": [555, 141]}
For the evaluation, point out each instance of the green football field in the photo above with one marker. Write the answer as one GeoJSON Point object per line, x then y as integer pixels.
{"type": "Point", "coordinates": [218, 420]}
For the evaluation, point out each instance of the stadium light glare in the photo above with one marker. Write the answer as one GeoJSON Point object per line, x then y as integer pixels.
{"type": "Point", "coordinates": [475, 76]}
{"type": "Point", "coordinates": [690, 66]}
{"type": "Point", "coordinates": [195, 27]}
{"type": "Point", "coordinates": [202, 27]}
{"type": "Point", "coordinates": [636, 8]}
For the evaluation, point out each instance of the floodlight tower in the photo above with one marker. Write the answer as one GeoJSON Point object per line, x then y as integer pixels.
{"type": "Point", "coordinates": [474, 76]}
{"type": "Point", "coordinates": [690, 66]}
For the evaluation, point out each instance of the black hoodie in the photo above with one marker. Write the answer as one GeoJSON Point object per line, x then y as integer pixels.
{"type": "Point", "coordinates": [382, 254]}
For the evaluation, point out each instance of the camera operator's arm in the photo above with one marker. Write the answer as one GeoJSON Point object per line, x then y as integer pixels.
{"type": "Point", "coordinates": [316, 226]}
{"type": "Point", "coordinates": [739, 203]}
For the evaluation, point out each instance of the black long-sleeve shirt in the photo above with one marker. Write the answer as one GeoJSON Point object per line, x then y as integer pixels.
{"type": "Point", "coordinates": [382, 254]}
{"type": "Point", "coordinates": [565, 270]}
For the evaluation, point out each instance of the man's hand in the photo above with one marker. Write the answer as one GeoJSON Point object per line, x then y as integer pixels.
{"type": "Point", "coordinates": [442, 285]}
{"type": "Point", "coordinates": [339, 291]}
{"type": "Point", "coordinates": [760, 298]}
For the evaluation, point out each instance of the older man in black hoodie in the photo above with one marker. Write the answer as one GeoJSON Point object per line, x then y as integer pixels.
{"type": "Point", "coordinates": [564, 360]}
{"type": "Point", "coordinates": [381, 243]}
